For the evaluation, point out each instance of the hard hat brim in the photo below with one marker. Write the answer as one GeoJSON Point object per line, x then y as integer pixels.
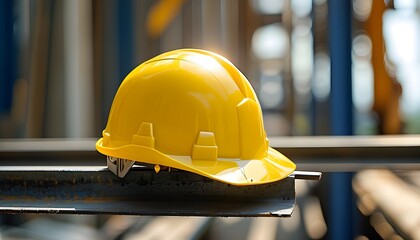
{"type": "Point", "coordinates": [274, 167]}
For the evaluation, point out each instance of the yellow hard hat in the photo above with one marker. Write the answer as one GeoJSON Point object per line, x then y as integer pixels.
{"type": "Point", "coordinates": [193, 110]}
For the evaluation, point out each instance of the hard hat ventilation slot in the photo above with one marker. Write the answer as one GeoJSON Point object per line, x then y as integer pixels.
{"type": "Point", "coordinates": [205, 148]}
{"type": "Point", "coordinates": [144, 136]}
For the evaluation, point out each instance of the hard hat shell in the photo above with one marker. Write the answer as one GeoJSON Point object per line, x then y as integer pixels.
{"type": "Point", "coordinates": [193, 110]}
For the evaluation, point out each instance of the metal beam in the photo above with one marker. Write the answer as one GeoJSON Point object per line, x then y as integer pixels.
{"type": "Point", "coordinates": [59, 176]}
{"type": "Point", "coordinates": [95, 190]}
{"type": "Point", "coordinates": [335, 153]}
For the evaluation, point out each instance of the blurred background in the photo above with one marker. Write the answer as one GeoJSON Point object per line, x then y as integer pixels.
{"type": "Point", "coordinates": [319, 67]}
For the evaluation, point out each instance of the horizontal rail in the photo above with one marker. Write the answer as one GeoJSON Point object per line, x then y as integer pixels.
{"type": "Point", "coordinates": [351, 153]}
{"type": "Point", "coordinates": [332, 153]}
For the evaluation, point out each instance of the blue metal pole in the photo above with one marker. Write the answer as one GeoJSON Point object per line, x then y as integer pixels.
{"type": "Point", "coordinates": [340, 225]}
{"type": "Point", "coordinates": [118, 39]}
{"type": "Point", "coordinates": [7, 56]}
{"type": "Point", "coordinates": [125, 37]}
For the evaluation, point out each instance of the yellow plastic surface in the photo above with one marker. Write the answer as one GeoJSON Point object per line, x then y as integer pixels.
{"type": "Point", "coordinates": [193, 110]}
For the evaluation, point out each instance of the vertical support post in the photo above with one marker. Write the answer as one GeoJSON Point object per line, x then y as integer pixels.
{"type": "Point", "coordinates": [40, 58]}
{"type": "Point", "coordinates": [118, 46]}
{"type": "Point", "coordinates": [78, 52]}
{"type": "Point", "coordinates": [313, 106]}
{"type": "Point", "coordinates": [125, 37]}
{"type": "Point", "coordinates": [340, 217]}
{"type": "Point", "coordinates": [109, 67]}
{"type": "Point", "coordinates": [7, 56]}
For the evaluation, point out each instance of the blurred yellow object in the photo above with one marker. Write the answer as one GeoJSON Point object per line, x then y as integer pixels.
{"type": "Point", "coordinates": [387, 91]}
{"type": "Point", "coordinates": [161, 15]}
{"type": "Point", "coordinates": [193, 110]}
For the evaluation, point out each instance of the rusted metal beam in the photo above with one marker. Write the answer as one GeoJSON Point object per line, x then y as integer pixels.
{"type": "Point", "coordinates": [95, 190]}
